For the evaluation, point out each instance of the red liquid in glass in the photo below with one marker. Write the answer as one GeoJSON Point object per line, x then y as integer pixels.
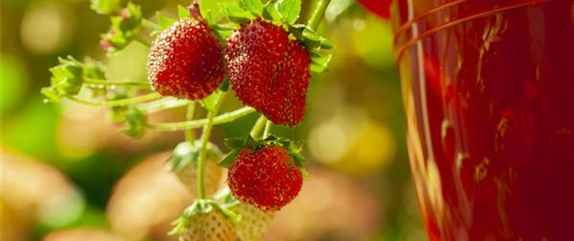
{"type": "Point", "coordinates": [488, 89]}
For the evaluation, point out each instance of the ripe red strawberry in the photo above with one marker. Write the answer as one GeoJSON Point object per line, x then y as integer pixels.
{"type": "Point", "coordinates": [378, 7]}
{"type": "Point", "coordinates": [266, 178]}
{"type": "Point", "coordinates": [186, 60]}
{"type": "Point", "coordinates": [254, 222]}
{"type": "Point", "coordinates": [269, 71]}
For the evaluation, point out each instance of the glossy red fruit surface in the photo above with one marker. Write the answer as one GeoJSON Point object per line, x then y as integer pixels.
{"type": "Point", "coordinates": [269, 71]}
{"type": "Point", "coordinates": [186, 61]}
{"type": "Point", "coordinates": [266, 178]}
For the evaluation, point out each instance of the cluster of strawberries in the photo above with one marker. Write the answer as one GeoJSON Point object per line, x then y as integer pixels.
{"type": "Point", "coordinates": [267, 62]}
{"type": "Point", "coordinates": [267, 68]}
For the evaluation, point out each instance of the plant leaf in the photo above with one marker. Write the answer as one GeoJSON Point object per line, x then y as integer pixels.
{"type": "Point", "coordinates": [230, 158]}
{"type": "Point", "coordinates": [235, 13]}
{"type": "Point", "coordinates": [289, 10]}
{"type": "Point", "coordinates": [105, 6]}
{"type": "Point", "coordinates": [234, 143]}
{"type": "Point", "coordinates": [254, 6]}
{"type": "Point", "coordinates": [209, 101]}
{"type": "Point", "coordinates": [136, 122]}
{"type": "Point", "coordinates": [319, 63]}
{"type": "Point", "coordinates": [250, 142]}
{"type": "Point", "coordinates": [270, 12]}
{"type": "Point", "coordinates": [163, 21]}
{"type": "Point", "coordinates": [182, 12]}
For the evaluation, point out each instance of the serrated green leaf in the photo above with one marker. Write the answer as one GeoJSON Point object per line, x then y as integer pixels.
{"type": "Point", "coordinates": [270, 12]}
{"type": "Point", "coordinates": [135, 122]}
{"type": "Point", "coordinates": [94, 70]}
{"type": "Point", "coordinates": [51, 94]}
{"type": "Point", "coordinates": [125, 26]}
{"type": "Point", "coordinates": [118, 113]}
{"type": "Point", "coordinates": [105, 6]}
{"type": "Point", "coordinates": [235, 13]}
{"type": "Point", "coordinates": [230, 158]}
{"type": "Point", "coordinates": [254, 6]}
{"type": "Point", "coordinates": [234, 143]}
{"type": "Point", "coordinates": [182, 12]}
{"type": "Point", "coordinates": [209, 18]}
{"type": "Point", "coordinates": [67, 79]}
{"type": "Point", "coordinates": [164, 22]}
{"type": "Point", "coordinates": [289, 10]}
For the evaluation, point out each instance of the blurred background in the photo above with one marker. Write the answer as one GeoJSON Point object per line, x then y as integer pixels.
{"type": "Point", "coordinates": [68, 172]}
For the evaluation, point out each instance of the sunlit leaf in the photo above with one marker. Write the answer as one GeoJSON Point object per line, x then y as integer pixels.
{"type": "Point", "coordinates": [289, 10]}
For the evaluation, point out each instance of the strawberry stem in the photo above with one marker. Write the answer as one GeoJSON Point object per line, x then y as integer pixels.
{"type": "Point", "coordinates": [189, 134]}
{"type": "Point", "coordinates": [116, 83]}
{"type": "Point", "coordinates": [220, 119]}
{"type": "Point", "coordinates": [319, 7]}
{"type": "Point", "coordinates": [204, 140]}
{"type": "Point", "coordinates": [163, 104]}
{"type": "Point", "coordinates": [258, 126]}
{"type": "Point", "coordinates": [115, 103]}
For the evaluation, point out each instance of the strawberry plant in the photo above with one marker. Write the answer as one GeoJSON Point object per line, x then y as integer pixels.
{"type": "Point", "coordinates": [261, 51]}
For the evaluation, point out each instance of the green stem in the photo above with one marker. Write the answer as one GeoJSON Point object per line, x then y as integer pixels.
{"type": "Point", "coordinates": [204, 140]}
{"type": "Point", "coordinates": [142, 41]}
{"type": "Point", "coordinates": [163, 104]}
{"type": "Point", "coordinates": [115, 103]}
{"type": "Point", "coordinates": [258, 126]}
{"type": "Point", "coordinates": [220, 119]}
{"type": "Point", "coordinates": [267, 129]}
{"type": "Point", "coordinates": [189, 134]}
{"type": "Point", "coordinates": [116, 83]}
{"type": "Point", "coordinates": [319, 7]}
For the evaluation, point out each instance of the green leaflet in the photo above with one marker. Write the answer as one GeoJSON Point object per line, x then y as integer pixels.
{"type": "Point", "coordinates": [136, 122]}
{"type": "Point", "coordinates": [235, 13]}
{"type": "Point", "coordinates": [202, 206]}
{"type": "Point", "coordinates": [254, 6]}
{"type": "Point", "coordinates": [182, 12]}
{"type": "Point", "coordinates": [105, 6]}
{"type": "Point", "coordinates": [289, 10]}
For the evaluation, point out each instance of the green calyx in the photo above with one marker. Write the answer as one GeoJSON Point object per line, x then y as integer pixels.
{"type": "Point", "coordinates": [237, 144]}
{"type": "Point", "coordinates": [187, 152]}
{"type": "Point", "coordinates": [69, 76]}
{"type": "Point", "coordinates": [125, 27]}
{"type": "Point", "coordinates": [284, 13]}
{"type": "Point", "coordinates": [202, 206]}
